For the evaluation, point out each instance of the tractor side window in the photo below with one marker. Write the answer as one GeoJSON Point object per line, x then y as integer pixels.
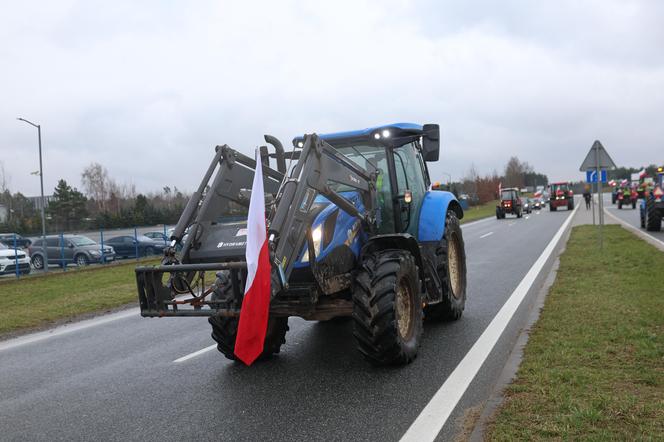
{"type": "Point", "coordinates": [409, 177]}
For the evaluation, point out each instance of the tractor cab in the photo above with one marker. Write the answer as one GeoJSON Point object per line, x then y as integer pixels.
{"type": "Point", "coordinates": [399, 153]}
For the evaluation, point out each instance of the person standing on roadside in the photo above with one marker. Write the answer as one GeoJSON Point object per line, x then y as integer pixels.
{"type": "Point", "coordinates": [586, 197]}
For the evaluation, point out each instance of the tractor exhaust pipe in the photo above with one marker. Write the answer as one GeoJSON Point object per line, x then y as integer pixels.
{"type": "Point", "coordinates": [279, 150]}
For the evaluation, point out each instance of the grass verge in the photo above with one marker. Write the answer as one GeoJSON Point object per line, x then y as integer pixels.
{"type": "Point", "coordinates": [478, 212]}
{"type": "Point", "coordinates": [593, 368]}
{"type": "Point", "coordinates": [42, 299]}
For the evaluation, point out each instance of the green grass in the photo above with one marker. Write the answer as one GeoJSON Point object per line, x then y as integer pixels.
{"type": "Point", "coordinates": [42, 299]}
{"type": "Point", "coordinates": [593, 368]}
{"type": "Point", "coordinates": [478, 212]}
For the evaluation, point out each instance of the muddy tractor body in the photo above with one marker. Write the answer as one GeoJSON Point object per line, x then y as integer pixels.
{"type": "Point", "coordinates": [353, 231]}
{"type": "Point", "coordinates": [561, 196]}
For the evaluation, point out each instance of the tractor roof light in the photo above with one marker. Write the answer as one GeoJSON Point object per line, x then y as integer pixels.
{"type": "Point", "coordinates": [300, 144]}
{"type": "Point", "coordinates": [386, 133]}
{"type": "Point", "coordinates": [377, 136]}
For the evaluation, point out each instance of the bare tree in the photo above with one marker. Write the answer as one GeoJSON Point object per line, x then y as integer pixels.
{"type": "Point", "coordinates": [96, 184]}
{"type": "Point", "coordinates": [4, 178]}
{"type": "Point", "coordinates": [514, 172]}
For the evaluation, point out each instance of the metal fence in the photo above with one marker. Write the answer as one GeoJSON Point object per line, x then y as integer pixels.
{"type": "Point", "coordinates": [62, 257]}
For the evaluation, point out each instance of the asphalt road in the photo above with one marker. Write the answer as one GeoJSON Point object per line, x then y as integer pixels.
{"type": "Point", "coordinates": [117, 380]}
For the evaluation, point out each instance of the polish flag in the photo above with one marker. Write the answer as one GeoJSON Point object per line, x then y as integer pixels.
{"type": "Point", "coordinates": [256, 303]}
{"type": "Point", "coordinates": [642, 173]}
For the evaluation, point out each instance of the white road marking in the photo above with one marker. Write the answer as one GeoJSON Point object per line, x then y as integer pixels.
{"type": "Point", "coordinates": [486, 234]}
{"type": "Point", "coordinates": [479, 221]}
{"type": "Point", "coordinates": [431, 420]}
{"type": "Point", "coordinates": [196, 353]}
{"type": "Point", "coordinates": [64, 329]}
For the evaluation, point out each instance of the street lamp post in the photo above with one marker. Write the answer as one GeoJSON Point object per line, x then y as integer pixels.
{"type": "Point", "coordinates": [43, 200]}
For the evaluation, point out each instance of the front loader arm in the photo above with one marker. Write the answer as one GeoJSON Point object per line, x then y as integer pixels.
{"type": "Point", "coordinates": [319, 165]}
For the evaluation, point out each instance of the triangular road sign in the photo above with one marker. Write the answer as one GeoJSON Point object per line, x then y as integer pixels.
{"type": "Point", "coordinates": [605, 161]}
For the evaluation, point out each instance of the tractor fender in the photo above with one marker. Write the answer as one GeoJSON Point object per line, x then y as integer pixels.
{"type": "Point", "coordinates": [399, 241]}
{"type": "Point", "coordinates": [434, 209]}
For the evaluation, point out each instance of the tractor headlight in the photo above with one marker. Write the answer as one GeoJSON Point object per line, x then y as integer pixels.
{"type": "Point", "coordinates": [317, 237]}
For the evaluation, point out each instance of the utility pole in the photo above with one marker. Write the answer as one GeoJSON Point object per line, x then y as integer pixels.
{"type": "Point", "coordinates": [43, 200]}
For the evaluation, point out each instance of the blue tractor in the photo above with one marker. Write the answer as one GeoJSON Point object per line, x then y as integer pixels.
{"type": "Point", "coordinates": [353, 231]}
{"type": "Point", "coordinates": [652, 206]}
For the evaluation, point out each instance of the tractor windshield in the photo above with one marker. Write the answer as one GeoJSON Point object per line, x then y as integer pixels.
{"type": "Point", "coordinates": [363, 155]}
{"type": "Point", "coordinates": [562, 186]}
{"type": "Point", "coordinates": [507, 195]}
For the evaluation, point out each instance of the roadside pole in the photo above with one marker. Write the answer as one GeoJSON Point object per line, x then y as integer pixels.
{"type": "Point", "coordinates": [62, 253]}
{"type": "Point", "coordinates": [101, 235]}
{"type": "Point", "coordinates": [136, 243]}
{"type": "Point", "coordinates": [592, 201]}
{"type": "Point", "coordinates": [18, 274]}
{"type": "Point", "coordinates": [599, 196]}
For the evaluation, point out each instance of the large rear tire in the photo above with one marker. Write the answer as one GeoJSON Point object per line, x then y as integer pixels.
{"type": "Point", "coordinates": [653, 217]}
{"type": "Point", "coordinates": [387, 308]}
{"type": "Point", "coordinates": [224, 329]}
{"type": "Point", "coordinates": [451, 270]}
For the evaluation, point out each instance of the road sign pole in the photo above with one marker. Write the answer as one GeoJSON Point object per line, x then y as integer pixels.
{"type": "Point", "coordinates": [599, 199]}
{"type": "Point", "coordinates": [592, 202]}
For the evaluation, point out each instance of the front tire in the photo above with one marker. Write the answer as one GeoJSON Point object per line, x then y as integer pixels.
{"type": "Point", "coordinates": [387, 308]}
{"type": "Point", "coordinates": [38, 262]}
{"type": "Point", "coordinates": [224, 329]}
{"type": "Point", "coordinates": [81, 260]}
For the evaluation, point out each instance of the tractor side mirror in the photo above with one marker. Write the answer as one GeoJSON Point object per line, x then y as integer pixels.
{"type": "Point", "coordinates": [431, 142]}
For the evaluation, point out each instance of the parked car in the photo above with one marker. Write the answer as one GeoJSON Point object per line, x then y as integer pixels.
{"type": "Point", "coordinates": [157, 236]}
{"type": "Point", "coordinates": [127, 246]}
{"type": "Point", "coordinates": [8, 258]}
{"type": "Point", "coordinates": [8, 240]}
{"type": "Point", "coordinates": [76, 249]}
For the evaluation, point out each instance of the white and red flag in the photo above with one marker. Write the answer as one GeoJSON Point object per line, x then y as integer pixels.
{"type": "Point", "coordinates": [642, 173]}
{"type": "Point", "coordinates": [256, 303]}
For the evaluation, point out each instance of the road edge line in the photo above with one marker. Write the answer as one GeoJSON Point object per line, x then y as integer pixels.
{"type": "Point", "coordinates": [646, 237]}
{"type": "Point", "coordinates": [435, 414]}
{"type": "Point", "coordinates": [67, 328]}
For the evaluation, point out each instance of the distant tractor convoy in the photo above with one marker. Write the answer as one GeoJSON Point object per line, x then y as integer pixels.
{"type": "Point", "coordinates": [352, 231]}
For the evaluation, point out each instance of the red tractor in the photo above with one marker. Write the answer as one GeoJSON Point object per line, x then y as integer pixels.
{"type": "Point", "coordinates": [627, 195]}
{"type": "Point", "coordinates": [561, 195]}
{"type": "Point", "coordinates": [510, 202]}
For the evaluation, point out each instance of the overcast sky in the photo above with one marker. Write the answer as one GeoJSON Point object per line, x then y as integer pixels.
{"type": "Point", "coordinates": [148, 88]}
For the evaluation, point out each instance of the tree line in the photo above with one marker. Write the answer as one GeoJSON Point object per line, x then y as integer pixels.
{"type": "Point", "coordinates": [482, 189]}
{"type": "Point", "coordinates": [102, 203]}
